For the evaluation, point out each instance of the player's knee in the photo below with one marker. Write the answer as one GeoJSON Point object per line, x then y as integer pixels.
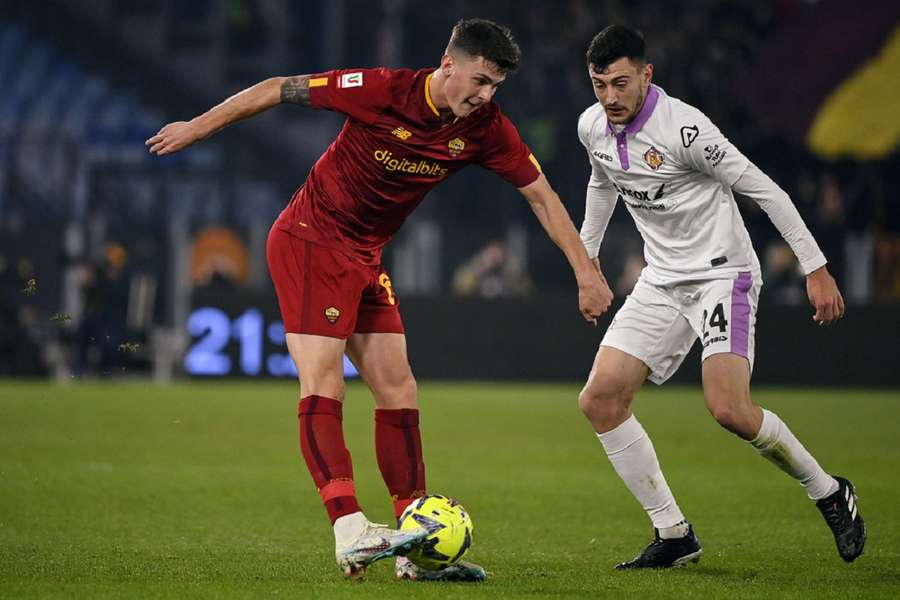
{"type": "Point", "coordinates": [397, 389]}
{"type": "Point", "coordinates": [724, 415]}
{"type": "Point", "coordinates": [732, 417]}
{"type": "Point", "coordinates": [586, 401]}
{"type": "Point", "coordinates": [408, 386]}
{"type": "Point", "coordinates": [603, 401]}
{"type": "Point", "coordinates": [326, 391]}
{"type": "Point", "coordinates": [319, 374]}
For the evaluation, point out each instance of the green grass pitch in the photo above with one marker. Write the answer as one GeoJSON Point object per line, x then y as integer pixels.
{"type": "Point", "coordinates": [198, 490]}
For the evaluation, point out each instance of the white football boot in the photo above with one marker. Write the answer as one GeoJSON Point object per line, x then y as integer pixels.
{"type": "Point", "coordinates": [461, 571]}
{"type": "Point", "coordinates": [374, 542]}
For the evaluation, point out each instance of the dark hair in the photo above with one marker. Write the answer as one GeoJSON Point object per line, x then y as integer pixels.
{"type": "Point", "coordinates": [480, 37]}
{"type": "Point", "coordinates": [613, 43]}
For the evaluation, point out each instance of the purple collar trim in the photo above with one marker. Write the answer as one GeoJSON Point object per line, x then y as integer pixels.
{"type": "Point", "coordinates": [641, 118]}
{"type": "Point", "coordinates": [636, 124]}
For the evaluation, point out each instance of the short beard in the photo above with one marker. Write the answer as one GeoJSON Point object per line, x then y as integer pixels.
{"type": "Point", "coordinates": [638, 107]}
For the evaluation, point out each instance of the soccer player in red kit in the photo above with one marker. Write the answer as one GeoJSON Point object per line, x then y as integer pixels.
{"type": "Point", "coordinates": [406, 131]}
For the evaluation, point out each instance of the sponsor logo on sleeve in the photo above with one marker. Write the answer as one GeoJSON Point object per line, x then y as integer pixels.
{"type": "Point", "coordinates": [349, 80]}
{"type": "Point", "coordinates": [714, 155]}
{"type": "Point", "coordinates": [654, 158]}
{"type": "Point", "coordinates": [689, 134]}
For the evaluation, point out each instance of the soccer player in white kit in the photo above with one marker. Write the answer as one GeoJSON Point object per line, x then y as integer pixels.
{"type": "Point", "coordinates": [675, 172]}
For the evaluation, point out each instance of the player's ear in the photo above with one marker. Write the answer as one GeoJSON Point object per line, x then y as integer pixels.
{"type": "Point", "coordinates": [648, 73]}
{"type": "Point", "coordinates": [447, 65]}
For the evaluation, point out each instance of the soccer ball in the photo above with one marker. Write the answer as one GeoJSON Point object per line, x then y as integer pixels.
{"type": "Point", "coordinates": [449, 531]}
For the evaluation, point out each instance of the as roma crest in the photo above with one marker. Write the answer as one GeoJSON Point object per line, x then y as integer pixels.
{"type": "Point", "coordinates": [332, 314]}
{"type": "Point", "coordinates": [654, 158]}
{"type": "Point", "coordinates": [455, 146]}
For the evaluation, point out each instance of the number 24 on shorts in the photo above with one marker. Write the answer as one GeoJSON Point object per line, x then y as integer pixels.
{"type": "Point", "coordinates": [716, 319]}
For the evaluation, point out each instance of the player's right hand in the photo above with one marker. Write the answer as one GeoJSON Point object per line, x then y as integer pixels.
{"type": "Point", "coordinates": [594, 295]}
{"type": "Point", "coordinates": [174, 137]}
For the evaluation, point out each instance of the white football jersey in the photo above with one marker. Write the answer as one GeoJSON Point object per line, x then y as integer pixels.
{"type": "Point", "coordinates": [674, 170]}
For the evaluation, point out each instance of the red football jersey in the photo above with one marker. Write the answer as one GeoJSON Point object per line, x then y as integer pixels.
{"type": "Point", "coordinates": [391, 151]}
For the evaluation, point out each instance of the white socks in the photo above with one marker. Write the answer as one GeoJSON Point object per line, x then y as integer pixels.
{"type": "Point", "coordinates": [679, 530]}
{"type": "Point", "coordinates": [634, 459]}
{"type": "Point", "coordinates": [776, 442]}
{"type": "Point", "coordinates": [348, 528]}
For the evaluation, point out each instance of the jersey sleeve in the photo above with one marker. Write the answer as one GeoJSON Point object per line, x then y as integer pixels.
{"type": "Point", "coordinates": [784, 215]}
{"type": "Point", "coordinates": [587, 120]}
{"type": "Point", "coordinates": [600, 198]}
{"type": "Point", "coordinates": [507, 155]}
{"type": "Point", "coordinates": [600, 201]}
{"type": "Point", "coordinates": [702, 147]}
{"type": "Point", "coordinates": [358, 93]}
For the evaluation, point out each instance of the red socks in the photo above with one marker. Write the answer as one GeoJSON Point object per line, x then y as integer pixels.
{"type": "Point", "coordinates": [326, 455]}
{"type": "Point", "coordinates": [398, 447]}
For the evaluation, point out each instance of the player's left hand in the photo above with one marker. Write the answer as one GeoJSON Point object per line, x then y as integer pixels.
{"type": "Point", "coordinates": [824, 296]}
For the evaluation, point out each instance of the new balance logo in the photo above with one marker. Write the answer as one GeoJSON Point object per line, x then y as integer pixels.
{"type": "Point", "coordinates": [402, 133]}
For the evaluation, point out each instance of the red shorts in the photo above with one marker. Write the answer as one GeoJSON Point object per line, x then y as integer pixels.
{"type": "Point", "coordinates": [322, 292]}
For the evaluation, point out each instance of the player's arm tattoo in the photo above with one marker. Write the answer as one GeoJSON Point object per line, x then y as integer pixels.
{"type": "Point", "coordinates": [296, 90]}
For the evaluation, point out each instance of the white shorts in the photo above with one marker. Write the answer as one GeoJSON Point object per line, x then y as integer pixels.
{"type": "Point", "coordinates": [659, 324]}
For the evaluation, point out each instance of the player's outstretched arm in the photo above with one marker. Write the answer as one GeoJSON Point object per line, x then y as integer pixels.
{"type": "Point", "coordinates": [251, 101]}
{"type": "Point", "coordinates": [820, 285]}
{"type": "Point", "coordinates": [594, 295]}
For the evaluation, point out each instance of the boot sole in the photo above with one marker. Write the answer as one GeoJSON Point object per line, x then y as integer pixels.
{"type": "Point", "coordinates": [693, 557]}
{"type": "Point", "coordinates": [356, 569]}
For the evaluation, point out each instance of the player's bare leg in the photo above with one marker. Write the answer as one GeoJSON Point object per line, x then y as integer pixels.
{"type": "Point", "coordinates": [726, 389]}
{"type": "Point", "coordinates": [358, 542]}
{"type": "Point", "coordinates": [319, 362]}
{"type": "Point", "coordinates": [606, 402]}
{"type": "Point", "coordinates": [614, 380]}
{"type": "Point", "coordinates": [383, 364]}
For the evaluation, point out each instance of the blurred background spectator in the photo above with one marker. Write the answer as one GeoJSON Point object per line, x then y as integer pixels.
{"type": "Point", "coordinates": [493, 272]}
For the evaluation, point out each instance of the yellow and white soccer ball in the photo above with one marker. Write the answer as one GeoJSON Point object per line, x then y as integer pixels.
{"type": "Point", "coordinates": [449, 531]}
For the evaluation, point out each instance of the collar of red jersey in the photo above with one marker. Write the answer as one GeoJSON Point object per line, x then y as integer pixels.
{"type": "Point", "coordinates": [430, 102]}
{"type": "Point", "coordinates": [643, 115]}
{"type": "Point", "coordinates": [428, 99]}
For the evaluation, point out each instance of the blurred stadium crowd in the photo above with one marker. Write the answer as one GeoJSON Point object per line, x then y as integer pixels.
{"type": "Point", "coordinates": [100, 242]}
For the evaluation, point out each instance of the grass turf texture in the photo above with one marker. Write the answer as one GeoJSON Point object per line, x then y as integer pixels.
{"type": "Point", "coordinates": [198, 490]}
